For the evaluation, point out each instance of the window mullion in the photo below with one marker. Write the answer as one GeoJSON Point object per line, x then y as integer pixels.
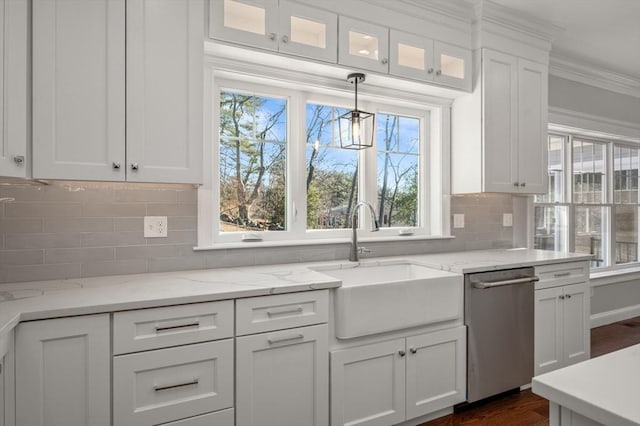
{"type": "Point", "coordinates": [611, 210]}
{"type": "Point", "coordinates": [297, 207]}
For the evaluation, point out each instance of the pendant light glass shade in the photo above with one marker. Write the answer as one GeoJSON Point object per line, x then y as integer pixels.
{"type": "Point", "coordinates": [353, 125]}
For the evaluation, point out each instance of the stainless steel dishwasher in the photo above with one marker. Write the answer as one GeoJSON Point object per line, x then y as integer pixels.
{"type": "Point", "coordinates": [499, 319]}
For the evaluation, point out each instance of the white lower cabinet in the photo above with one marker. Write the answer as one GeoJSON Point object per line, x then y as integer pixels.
{"type": "Point", "coordinates": [282, 378]}
{"type": "Point", "coordinates": [219, 418]}
{"type": "Point", "coordinates": [388, 382]}
{"type": "Point", "coordinates": [561, 326]}
{"type": "Point", "coordinates": [155, 387]}
{"type": "Point", "coordinates": [62, 372]}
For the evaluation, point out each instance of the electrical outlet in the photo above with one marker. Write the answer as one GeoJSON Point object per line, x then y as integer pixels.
{"type": "Point", "coordinates": [155, 226]}
{"type": "Point", "coordinates": [458, 221]}
{"type": "Point", "coordinates": [507, 219]}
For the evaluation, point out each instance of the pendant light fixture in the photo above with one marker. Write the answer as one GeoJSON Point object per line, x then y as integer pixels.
{"type": "Point", "coordinates": [353, 124]}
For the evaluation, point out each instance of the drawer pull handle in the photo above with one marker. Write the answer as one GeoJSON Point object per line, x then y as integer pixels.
{"type": "Point", "coordinates": [285, 338]}
{"type": "Point", "coordinates": [284, 311]}
{"type": "Point", "coordinates": [561, 274]}
{"type": "Point", "coordinates": [175, 327]}
{"type": "Point", "coordinates": [179, 385]}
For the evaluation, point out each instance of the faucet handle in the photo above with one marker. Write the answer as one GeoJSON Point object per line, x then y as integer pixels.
{"type": "Point", "coordinates": [363, 250]}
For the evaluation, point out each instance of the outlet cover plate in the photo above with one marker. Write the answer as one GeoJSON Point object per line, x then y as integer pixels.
{"type": "Point", "coordinates": [155, 226]}
{"type": "Point", "coordinates": [507, 219]}
{"type": "Point", "coordinates": [458, 221]}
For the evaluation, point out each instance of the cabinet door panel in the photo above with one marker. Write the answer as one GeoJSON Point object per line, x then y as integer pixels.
{"type": "Point", "coordinates": [62, 372]}
{"type": "Point", "coordinates": [363, 45]}
{"type": "Point", "coordinates": [410, 56]}
{"type": "Point", "coordinates": [548, 333]}
{"type": "Point", "coordinates": [452, 65]}
{"type": "Point", "coordinates": [13, 89]}
{"type": "Point", "coordinates": [532, 126]}
{"type": "Point", "coordinates": [78, 89]}
{"type": "Point", "coordinates": [368, 385]}
{"type": "Point", "coordinates": [164, 90]}
{"type": "Point", "coordinates": [308, 32]}
{"type": "Point", "coordinates": [577, 341]}
{"type": "Point", "coordinates": [499, 92]}
{"type": "Point", "coordinates": [282, 378]}
{"type": "Point", "coordinates": [436, 372]}
{"type": "Point", "coordinates": [251, 22]}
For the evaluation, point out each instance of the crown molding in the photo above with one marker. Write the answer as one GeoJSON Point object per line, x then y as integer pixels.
{"type": "Point", "coordinates": [572, 69]}
{"type": "Point", "coordinates": [561, 119]}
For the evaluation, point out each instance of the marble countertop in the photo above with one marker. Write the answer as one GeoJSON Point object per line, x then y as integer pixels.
{"type": "Point", "coordinates": [57, 298]}
{"type": "Point", "coordinates": [604, 389]}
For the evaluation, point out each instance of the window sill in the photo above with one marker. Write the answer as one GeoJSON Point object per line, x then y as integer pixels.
{"type": "Point", "coordinates": [318, 242]}
{"type": "Point", "coordinates": [614, 276]}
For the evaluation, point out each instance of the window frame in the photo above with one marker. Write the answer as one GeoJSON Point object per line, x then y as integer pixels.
{"type": "Point", "coordinates": [434, 115]}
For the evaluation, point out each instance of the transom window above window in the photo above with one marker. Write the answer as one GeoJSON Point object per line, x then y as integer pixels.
{"type": "Point", "coordinates": [279, 172]}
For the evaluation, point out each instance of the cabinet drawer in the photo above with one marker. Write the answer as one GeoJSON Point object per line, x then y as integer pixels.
{"type": "Point", "coordinates": [160, 386]}
{"type": "Point", "coordinates": [268, 313]}
{"type": "Point", "coordinates": [558, 274]}
{"type": "Point", "coordinates": [146, 329]}
{"type": "Point", "coordinates": [219, 418]}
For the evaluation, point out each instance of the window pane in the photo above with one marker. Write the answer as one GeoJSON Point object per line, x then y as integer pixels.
{"type": "Point", "coordinates": [398, 160]}
{"type": "Point", "coordinates": [555, 171]}
{"type": "Point", "coordinates": [626, 249]}
{"type": "Point", "coordinates": [625, 175]}
{"type": "Point", "coordinates": [332, 172]}
{"type": "Point", "coordinates": [253, 153]}
{"type": "Point", "coordinates": [588, 171]}
{"type": "Point", "coordinates": [551, 228]}
{"type": "Point", "coordinates": [591, 233]}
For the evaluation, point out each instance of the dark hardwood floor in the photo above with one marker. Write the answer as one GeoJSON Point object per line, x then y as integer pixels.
{"type": "Point", "coordinates": [528, 409]}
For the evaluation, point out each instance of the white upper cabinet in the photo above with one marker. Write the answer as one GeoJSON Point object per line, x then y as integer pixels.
{"type": "Point", "coordinates": [80, 105]}
{"type": "Point", "coordinates": [499, 130]}
{"type": "Point", "coordinates": [282, 26]}
{"type": "Point", "coordinates": [164, 90]}
{"type": "Point", "coordinates": [363, 45]}
{"type": "Point", "coordinates": [79, 89]}
{"type": "Point", "coordinates": [14, 154]}
{"type": "Point", "coordinates": [422, 58]}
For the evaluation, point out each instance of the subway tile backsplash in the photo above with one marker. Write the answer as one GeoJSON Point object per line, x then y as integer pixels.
{"type": "Point", "coordinates": [84, 229]}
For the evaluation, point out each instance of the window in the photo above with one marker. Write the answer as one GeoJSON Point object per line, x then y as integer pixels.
{"type": "Point", "coordinates": [592, 202]}
{"type": "Point", "coordinates": [279, 174]}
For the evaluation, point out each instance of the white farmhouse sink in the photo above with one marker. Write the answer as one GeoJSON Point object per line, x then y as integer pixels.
{"type": "Point", "coordinates": [378, 297]}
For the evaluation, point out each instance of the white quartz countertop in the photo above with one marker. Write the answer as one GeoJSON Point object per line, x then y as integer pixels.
{"type": "Point", "coordinates": [604, 389]}
{"type": "Point", "coordinates": [57, 298]}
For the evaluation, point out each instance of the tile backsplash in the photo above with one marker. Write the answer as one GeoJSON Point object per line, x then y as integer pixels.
{"type": "Point", "coordinates": [80, 229]}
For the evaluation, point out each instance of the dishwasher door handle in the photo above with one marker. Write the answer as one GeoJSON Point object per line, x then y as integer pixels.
{"type": "Point", "coordinates": [483, 285]}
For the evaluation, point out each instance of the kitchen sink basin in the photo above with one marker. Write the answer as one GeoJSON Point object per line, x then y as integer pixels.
{"type": "Point", "coordinates": [378, 297]}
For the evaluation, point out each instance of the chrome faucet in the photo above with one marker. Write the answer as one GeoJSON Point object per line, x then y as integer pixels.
{"type": "Point", "coordinates": [355, 250]}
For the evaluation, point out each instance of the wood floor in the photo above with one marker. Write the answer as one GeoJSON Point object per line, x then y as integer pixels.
{"type": "Point", "coordinates": [528, 409]}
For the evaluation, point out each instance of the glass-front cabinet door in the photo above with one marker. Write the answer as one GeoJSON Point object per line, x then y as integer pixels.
{"type": "Point", "coordinates": [309, 32]}
{"type": "Point", "coordinates": [411, 56]}
{"type": "Point", "coordinates": [452, 65]}
{"type": "Point", "coordinates": [363, 45]}
{"type": "Point", "coordinates": [251, 22]}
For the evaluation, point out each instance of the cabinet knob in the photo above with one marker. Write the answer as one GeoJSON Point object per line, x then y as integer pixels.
{"type": "Point", "coordinates": [438, 72]}
{"type": "Point", "coordinates": [413, 350]}
{"type": "Point", "coordinates": [561, 297]}
{"type": "Point", "coordinates": [430, 71]}
{"type": "Point", "coordinates": [116, 165]}
{"type": "Point", "coordinates": [18, 159]}
{"type": "Point", "coordinates": [285, 39]}
{"type": "Point", "coordinates": [523, 184]}
{"type": "Point", "coordinates": [401, 352]}
{"type": "Point", "coordinates": [568, 296]}
{"type": "Point", "coordinates": [272, 36]}
{"type": "Point", "coordinates": [384, 61]}
{"type": "Point", "coordinates": [134, 166]}
{"type": "Point", "coordinates": [516, 183]}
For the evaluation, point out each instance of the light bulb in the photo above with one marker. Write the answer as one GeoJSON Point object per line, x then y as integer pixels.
{"type": "Point", "coordinates": [355, 128]}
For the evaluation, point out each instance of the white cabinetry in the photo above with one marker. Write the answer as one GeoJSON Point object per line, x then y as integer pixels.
{"type": "Point", "coordinates": [388, 382]}
{"type": "Point", "coordinates": [499, 131]}
{"type": "Point", "coordinates": [425, 59]}
{"type": "Point", "coordinates": [15, 160]}
{"type": "Point", "coordinates": [282, 377]}
{"type": "Point", "coordinates": [282, 26]}
{"type": "Point", "coordinates": [7, 383]}
{"type": "Point", "coordinates": [363, 45]}
{"type": "Point", "coordinates": [62, 372]}
{"type": "Point", "coordinates": [561, 321]}
{"type": "Point", "coordinates": [79, 75]}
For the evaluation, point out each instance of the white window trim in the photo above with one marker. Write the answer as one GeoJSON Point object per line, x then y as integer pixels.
{"type": "Point", "coordinates": [437, 127]}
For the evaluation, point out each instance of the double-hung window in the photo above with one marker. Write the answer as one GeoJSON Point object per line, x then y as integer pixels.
{"type": "Point", "coordinates": [279, 173]}
{"type": "Point", "coordinates": [592, 201]}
